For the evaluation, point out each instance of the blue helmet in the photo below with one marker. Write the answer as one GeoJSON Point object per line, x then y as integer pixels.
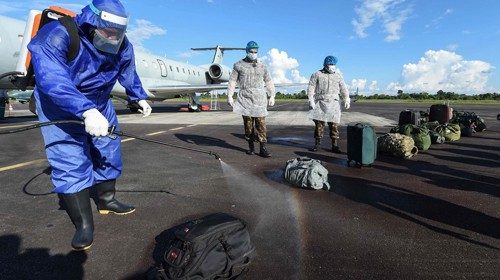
{"type": "Point", "coordinates": [252, 45]}
{"type": "Point", "coordinates": [104, 14]}
{"type": "Point", "coordinates": [330, 60]}
{"type": "Point", "coordinates": [106, 22]}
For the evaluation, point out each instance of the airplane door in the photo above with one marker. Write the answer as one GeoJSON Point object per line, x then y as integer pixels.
{"type": "Point", "coordinates": [163, 68]}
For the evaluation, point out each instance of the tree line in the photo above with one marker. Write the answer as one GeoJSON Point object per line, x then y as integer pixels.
{"type": "Point", "coordinates": [440, 95]}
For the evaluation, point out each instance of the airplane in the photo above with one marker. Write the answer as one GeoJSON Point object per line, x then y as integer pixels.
{"type": "Point", "coordinates": [162, 78]}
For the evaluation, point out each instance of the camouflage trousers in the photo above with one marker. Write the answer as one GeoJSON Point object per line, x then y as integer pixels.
{"type": "Point", "coordinates": [320, 130]}
{"type": "Point", "coordinates": [255, 129]}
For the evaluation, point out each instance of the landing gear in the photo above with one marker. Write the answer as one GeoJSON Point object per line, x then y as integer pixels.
{"type": "Point", "coordinates": [194, 103]}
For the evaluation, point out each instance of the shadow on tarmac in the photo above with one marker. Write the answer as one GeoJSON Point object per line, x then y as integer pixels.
{"type": "Point", "coordinates": [407, 204]}
{"type": "Point", "coordinates": [37, 263]}
{"type": "Point", "coordinates": [448, 178]}
{"type": "Point", "coordinates": [207, 141]}
{"type": "Point", "coordinates": [475, 146]}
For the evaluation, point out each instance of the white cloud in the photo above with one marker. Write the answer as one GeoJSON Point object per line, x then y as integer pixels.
{"type": "Point", "coordinates": [210, 1]}
{"type": "Point", "coordinates": [466, 32]}
{"type": "Point", "coordinates": [436, 21]}
{"type": "Point", "coordinates": [362, 86]}
{"type": "Point", "coordinates": [284, 69]}
{"type": "Point", "coordinates": [358, 84]}
{"type": "Point", "coordinates": [373, 86]}
{"type": "Point", "coordinates": [444, 70]}
{"type": "Point", "coordinates": [141, 31]}
{"type": "Point", "coordinates": [452, 47]}
{"type": "Point", "coordinates": [392, 13]}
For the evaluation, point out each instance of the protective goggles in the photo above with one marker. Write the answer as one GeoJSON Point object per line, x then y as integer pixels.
{"type": "Point", "coordinates": [109, 39]}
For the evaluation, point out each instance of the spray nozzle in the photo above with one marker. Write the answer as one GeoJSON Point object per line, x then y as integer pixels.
{"type": "Point", "coordinates": [216, 156]}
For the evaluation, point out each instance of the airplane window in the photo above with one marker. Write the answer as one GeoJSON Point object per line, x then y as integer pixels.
{"type": "Point", "coordinates": [199, 73]}
{"type": "Point", "coordinates": [183, 71]}
{"type": "Point", "coordinates": [189, 71]}
{"type": "Point", "coordinates": [178, 69]}
{"type": "Point", "coordinates": [171, 69]}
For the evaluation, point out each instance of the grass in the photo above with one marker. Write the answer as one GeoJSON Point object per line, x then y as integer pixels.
{"type": "Point", "coordinates": [430, 101]}
{"type": "Point", "coordinates": [382, 101]}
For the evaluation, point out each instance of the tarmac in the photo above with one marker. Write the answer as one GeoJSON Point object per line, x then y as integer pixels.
{"type": "Point", "coordinates": [435, 216]}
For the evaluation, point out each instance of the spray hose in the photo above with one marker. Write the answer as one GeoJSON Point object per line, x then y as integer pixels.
{"type": "Point", "coordinates": [113, 133]}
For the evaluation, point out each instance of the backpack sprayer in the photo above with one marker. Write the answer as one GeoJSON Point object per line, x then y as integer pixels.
{"type": "Point", "coordinates": [113, 134]}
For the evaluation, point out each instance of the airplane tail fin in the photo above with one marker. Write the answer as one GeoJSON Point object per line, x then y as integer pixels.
{"type": "Point", "coordinates": [219, 52]}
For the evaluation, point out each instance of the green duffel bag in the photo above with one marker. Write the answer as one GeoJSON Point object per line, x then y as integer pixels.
{"type": "Point", "coordinates": [397, 145]}
{"type": "Point", "coordinates": [450, 131]}
{"type": "Point", "coordinates": [304, 172]}
{"type": "Point", "coordinates": [431, 125]}
{"type": "Point", "coordinates": [420, 135]}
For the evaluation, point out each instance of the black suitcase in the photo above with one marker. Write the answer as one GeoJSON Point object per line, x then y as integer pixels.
{"type": "Point", "coordinates": [408, 117]}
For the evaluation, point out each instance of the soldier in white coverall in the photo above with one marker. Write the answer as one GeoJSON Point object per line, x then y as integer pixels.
{"type": "Point", "coordinates": [252, 76]}
{"type": "Point", "coordinates": [326, 87]}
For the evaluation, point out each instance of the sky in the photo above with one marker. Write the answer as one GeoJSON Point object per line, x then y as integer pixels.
{"type": "Point", "coordinates": [382, 45]}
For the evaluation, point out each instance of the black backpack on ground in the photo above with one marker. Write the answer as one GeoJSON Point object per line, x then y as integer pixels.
{"type": "Point", "coordinates": [216, 246]}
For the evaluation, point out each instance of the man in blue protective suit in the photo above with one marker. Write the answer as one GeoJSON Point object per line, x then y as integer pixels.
{"type": "Point", "coordinates": [82, 157]}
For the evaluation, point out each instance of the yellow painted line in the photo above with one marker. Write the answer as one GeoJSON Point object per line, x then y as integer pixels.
{"type": "Point", "coordinates": [191, 125]}
{"type": "Point", "coordinates": [155, 133]}
{"type": "Point", "coordinates": [177, 128]}
{"type": "Point", "coordinates": [128, 139]}
{"type": "Point", "coordinates": [22, 164]}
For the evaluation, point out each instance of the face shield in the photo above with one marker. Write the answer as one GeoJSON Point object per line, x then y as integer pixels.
{"type": "Point", "coordinates": [109, 39]}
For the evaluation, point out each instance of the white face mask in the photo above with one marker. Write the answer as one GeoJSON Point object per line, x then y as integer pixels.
{"type": "Point", "coordinates": [252, 56]}
{"type": "Point", "coordinates": [331, 68]}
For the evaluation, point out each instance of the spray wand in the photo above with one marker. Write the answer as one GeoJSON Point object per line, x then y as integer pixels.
{"type": "Point", "coordinates": [113, 133]}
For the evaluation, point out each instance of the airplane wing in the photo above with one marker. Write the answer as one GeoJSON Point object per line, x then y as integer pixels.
{"type": "Point", "coordinates": [187, 89]}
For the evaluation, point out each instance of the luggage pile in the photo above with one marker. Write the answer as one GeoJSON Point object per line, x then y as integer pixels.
{"type": "Point", "coordinates": [440, 124]}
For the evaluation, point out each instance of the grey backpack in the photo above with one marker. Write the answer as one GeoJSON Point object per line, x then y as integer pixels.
{"type": "Point", "coordinates": [306, 173]}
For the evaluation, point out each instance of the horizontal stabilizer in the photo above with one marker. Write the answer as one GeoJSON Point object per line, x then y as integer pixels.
{"type": "Point", "coordinates": [219, 52]}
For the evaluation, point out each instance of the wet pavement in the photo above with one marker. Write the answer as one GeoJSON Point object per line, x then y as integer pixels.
{"type": "Point", "coordinates": [435, 216]}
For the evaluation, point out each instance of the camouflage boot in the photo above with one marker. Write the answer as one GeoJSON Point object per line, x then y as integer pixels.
{"type": "Point", "coordinates": [263, 151]}
{"type": "Point", "coordinates": [316, 145]}
{"type": "Point", "coordinates": [251, 148]}
{"type": "Point", "coordinates": [335, 147]}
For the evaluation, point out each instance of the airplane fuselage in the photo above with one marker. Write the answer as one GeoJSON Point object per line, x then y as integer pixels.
{"type": "Point", "coordinates": [154, 71]}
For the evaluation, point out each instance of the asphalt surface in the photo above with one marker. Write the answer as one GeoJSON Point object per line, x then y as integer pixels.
{"type": "Point", "coordinates": [435, 216]}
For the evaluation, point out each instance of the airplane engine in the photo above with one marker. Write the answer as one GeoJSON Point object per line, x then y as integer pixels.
{"type": "Point", "coordinates": [218, 73]}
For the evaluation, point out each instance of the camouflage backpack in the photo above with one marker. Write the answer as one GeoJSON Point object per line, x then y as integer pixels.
{"type": "Point", "coordinates": [398, 145]}
{"type": "Point", "coordinates": [420, 135]}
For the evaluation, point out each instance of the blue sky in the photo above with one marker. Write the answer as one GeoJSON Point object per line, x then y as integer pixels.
{"type": "Point", "coordinates": [382, 45]}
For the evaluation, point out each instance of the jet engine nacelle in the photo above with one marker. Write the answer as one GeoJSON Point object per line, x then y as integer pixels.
{"type": "Point", "coordinates": [218, 73]}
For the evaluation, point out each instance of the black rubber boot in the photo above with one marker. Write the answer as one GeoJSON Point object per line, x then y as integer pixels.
{"type": "Point", "coordinates": [106, 201]}
{"type": "Point", "coordinates": [335, 147]}
{"type": "Point", "coordinates": [263, 151]}
{"type": "Point", "coordinates": [80, 212]}
{"type": "Point", "coordinates": [316, 145]}
{"type": "Point", "coordinates": [251, 148]}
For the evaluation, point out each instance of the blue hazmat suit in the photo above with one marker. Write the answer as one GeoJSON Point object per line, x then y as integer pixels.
{"type": "Point", "coordinates": [66, 89]}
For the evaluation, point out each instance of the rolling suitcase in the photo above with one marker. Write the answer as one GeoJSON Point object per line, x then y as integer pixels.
{"type": "Point", "coordinates": [441, 113]}
{"type": "Point", "coordinates": [407, 117]}
{"type": "Point", "coordinates": [361, 144]}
